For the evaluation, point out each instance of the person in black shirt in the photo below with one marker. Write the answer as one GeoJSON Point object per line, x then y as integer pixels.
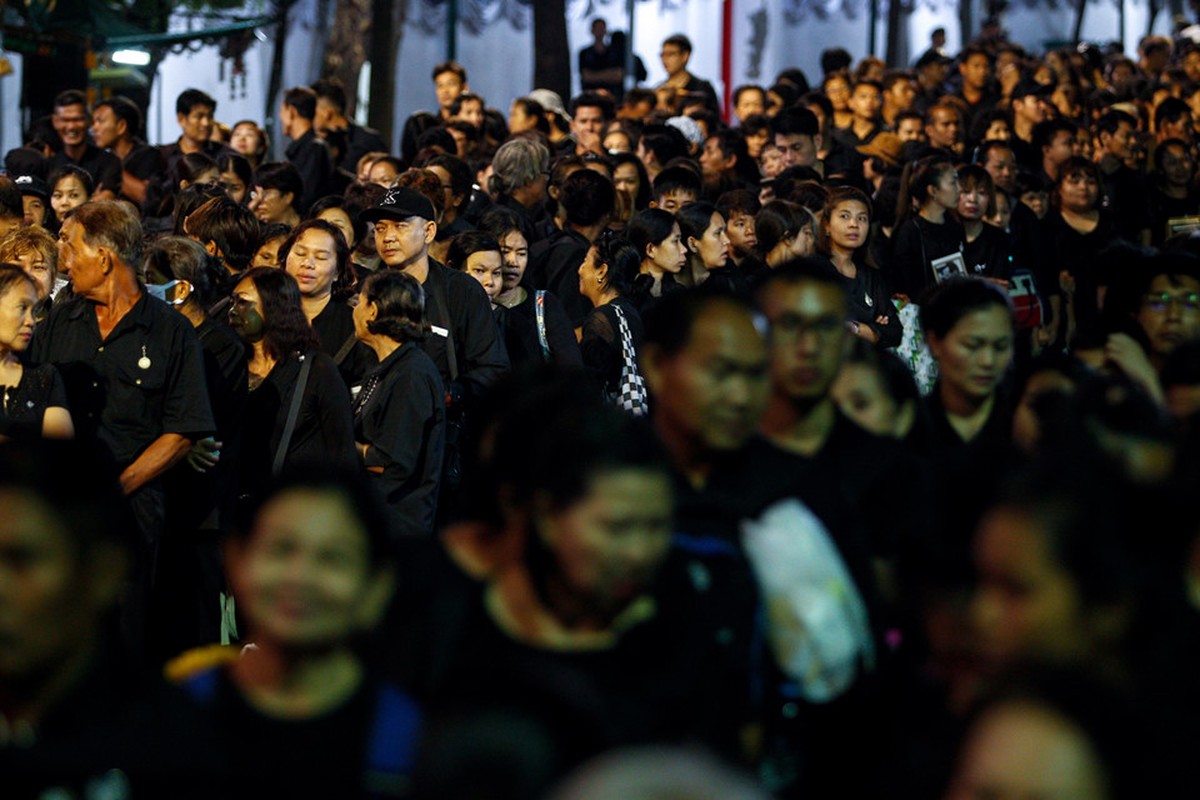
{"type": "Point", "coordinates": [400, 414]}
{"type": "Point", "coordinates": [988, 252]}
{"type": "Point", "coordinates": [968, 324]}
{"type": "Point", "coordinates": [537, 328]}
{"type": "Point", "coordinates": [317, 256]}
{"type": "Point", "coordinates": [1124, 189]}
{"type": "Point", "coordinates": [846, 226]}
{"type": "Point", "coordinates": [739, 208]}
{"type": "Point", "coordinates": [308, 153]}
{"type": "Point", "coordinates": [278, 187]}
{"type": "Point", "coordinates": [303, 712]}
{"type": "Point", "coordinates": [562, 600]}
{"type": "Point", "coordinates": [1173, 194]}
{"type": "Point", "coordinates": [331, 116]}
{"type": "Point", "coordinates": [927, 243]}
{"type": "Point", "coordinates": [186, 608]}
{"type": "Point", "coordinates": [34, 402]}
{"type": "Point", "coordinates": [194, 111]}
{"type": "Point", "coordinates": [116, 126]}
{"type": "Point", "coordinates": [681, 86]}
{"type": "Point", "coordinates": [457, 183]}
{"type": "Point", "coordinates": [71, 120]}
{"type": "Point", "coordinates": [299, 408]}
{"type": "Point", "coordinates": [520, 170]}
{"type": "Point", "coordinates": [588, 198]}
{"type": "Point", "coordinates": [76, 720]}
{"type": "Point", "coordinates": [133, 367]}
{"type": "Point", "coordinates": [465, 345]}
{"type": "Point", "coordinates": [611, 335]}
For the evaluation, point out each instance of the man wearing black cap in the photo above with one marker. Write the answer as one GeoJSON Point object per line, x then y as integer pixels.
{"type": "Point", "coordinates": [464, 343]}
{"type": "Point", "coordinates": [1029, 107]}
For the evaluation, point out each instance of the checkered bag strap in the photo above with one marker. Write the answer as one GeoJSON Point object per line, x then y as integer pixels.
{"type": "Point", "coordinates": [631, 393]}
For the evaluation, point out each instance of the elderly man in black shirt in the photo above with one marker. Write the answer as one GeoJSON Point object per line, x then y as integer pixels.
{"type": "Point", "coordinates": [133, 368]}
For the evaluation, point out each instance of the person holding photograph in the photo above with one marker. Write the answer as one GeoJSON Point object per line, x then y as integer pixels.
{"type": "Point", "coordinates": [928, 242]}
{"type": "Point", "coordinates": [1077, 229]}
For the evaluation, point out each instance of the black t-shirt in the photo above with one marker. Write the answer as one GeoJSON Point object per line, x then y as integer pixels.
{"type": "Point", "coordinates": [520, 329]}
{"type": "Point", "coordinates": [310, 156]}
{"type": "Point", "coordinates": [117, 734]}
{"type": "Point", "coordinates": [1076, 253]}
{"type": "Point", "coordinates": [990, 254]}
{"type": "Point", "coordinates": [461, 315]}
{"type": "Point", "coordinates": [916, 244]}
{"type": "Point", "coordinates": [868, 297]}
{"type": "Point", "coordinates": [329, 755]}
{"type": "Point", "coordinates": [1164, 208]}
{"type": "Point", "coordinates": [671, 678]}
{"type": "Point", "coordinates": [24, 405]}
{"type": "Point", "coordinates": [1125, 197]}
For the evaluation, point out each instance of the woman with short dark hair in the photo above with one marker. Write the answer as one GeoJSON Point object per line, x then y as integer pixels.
{"type": "Point", "coordinates": [400, 413]}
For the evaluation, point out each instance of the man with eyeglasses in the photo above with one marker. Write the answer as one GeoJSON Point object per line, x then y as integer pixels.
{"type": "Point", "coordinates": [1169, 307]}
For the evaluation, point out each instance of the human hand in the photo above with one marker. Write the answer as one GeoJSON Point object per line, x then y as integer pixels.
{"type": "Point", "coordinates": [205, 454]}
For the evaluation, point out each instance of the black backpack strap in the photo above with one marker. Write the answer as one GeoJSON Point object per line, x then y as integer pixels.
{"type": "Point", "coordinates": [289, 427]}
{"type": "Point", "coordinates": [345, 349]}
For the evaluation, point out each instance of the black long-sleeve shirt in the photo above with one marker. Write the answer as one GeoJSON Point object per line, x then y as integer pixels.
{"type": "Point", "coordinates": [401, 415]}
{"type": "Point", "coordinates": [460, 312]}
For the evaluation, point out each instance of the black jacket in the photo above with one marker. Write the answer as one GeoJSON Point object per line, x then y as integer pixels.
{"type": "Point", "coordinates": [465, 343]}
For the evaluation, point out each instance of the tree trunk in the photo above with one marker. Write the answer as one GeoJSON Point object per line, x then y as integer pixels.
{"type": "Point", "coordinates": [387, 29]}
{"type": "Point", "coordinates": [276, 83]}
{"type": "Point", "coordinates": [552, 53]}
{"type": "Point", "coordinates": [895, 28]}
{"type": "Point", "coordinates": [346, 49]}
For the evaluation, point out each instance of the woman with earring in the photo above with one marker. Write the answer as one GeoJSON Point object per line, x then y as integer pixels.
{"type": "Point", "coordinates": [605, 277]}
{"type": "Point", "coordinates": [317, 256]}
{"type": "Point", "coordinates": [400, 414]}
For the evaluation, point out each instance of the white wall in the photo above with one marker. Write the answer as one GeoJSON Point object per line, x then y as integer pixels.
{"type": "Point", "coordinates": [201, 70]}
{"type": "Point", "coordinates": [499, 61]}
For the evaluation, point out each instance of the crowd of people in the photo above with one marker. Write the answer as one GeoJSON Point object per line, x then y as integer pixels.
{"type": "Point", "coordinates": [844, 445]}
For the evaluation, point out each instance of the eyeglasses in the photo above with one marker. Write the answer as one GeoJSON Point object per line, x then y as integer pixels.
{"type": "Point", "coordinates": [1161, 301]}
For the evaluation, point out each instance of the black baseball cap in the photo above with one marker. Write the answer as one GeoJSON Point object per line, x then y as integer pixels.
{"type": "Point", "coordinates": [400, 203]}
{"type": "Point", "coordinates": [32, 184]}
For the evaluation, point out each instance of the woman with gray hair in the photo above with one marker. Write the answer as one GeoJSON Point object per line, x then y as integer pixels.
{"type": "Point", "coordinates": [520, 169]}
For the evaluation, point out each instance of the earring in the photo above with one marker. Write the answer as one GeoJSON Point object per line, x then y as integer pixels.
{"type": "Point", "coordinates": [600, 281]}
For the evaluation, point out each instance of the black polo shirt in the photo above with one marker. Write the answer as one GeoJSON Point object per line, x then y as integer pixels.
{"type": "Point", "coordinates": [103, 166]}
{"type": "Point", "coordinates": [144, 380]}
